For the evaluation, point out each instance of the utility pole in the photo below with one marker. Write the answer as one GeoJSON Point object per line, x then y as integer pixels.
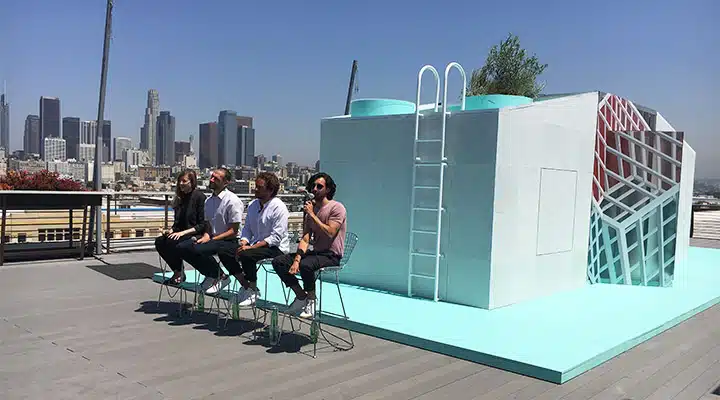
{"type": "Point", "coordinates": [97, 176]}
{"type": "Point", "coordinates": [351, 87]}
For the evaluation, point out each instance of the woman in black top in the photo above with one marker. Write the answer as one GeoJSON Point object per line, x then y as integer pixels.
{"type": "Point", "coordinates": [189, 224]}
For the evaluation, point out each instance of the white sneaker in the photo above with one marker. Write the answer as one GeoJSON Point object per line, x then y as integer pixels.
{"type": "Point", "coordinates": [206, 284]}
{"type": "Point", "coordinates": [219, 285]}
{"type": "Point", "coordinates": [309, 310]}
{"type": "Point", "coordinates": [247, 297]}
{"type": "Point", "coordinates": [297, 306]}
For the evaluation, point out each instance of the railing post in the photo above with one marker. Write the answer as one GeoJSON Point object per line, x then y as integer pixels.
{"type": "Point", "coordinates": [166, 212]}
{"type": "Point", "coordinates": [107, 226]}
{"type": "Point", "coordinates": [71, 228]}
{"type": "Point", "coordinates": [692, 220]}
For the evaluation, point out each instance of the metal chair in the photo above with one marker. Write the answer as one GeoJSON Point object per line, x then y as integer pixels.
{"type": "Point", "coordinates": [178, 288]}
{"type": "Point", "coordinates": [231, 302]}
{"type": "Point", "coordinates": [351, 240]}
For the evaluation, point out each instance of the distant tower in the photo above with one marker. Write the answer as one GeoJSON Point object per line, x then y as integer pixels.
{"type": "Point", "coordinates": [148, 133]}
{"type": "Point", "coordinates": [192, 140]}
{"type": "Point", "coordinates": [4, 121]}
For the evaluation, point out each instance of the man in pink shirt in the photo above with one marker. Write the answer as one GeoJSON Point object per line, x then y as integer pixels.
{"type": "Point", "coordinates": [325, 223]}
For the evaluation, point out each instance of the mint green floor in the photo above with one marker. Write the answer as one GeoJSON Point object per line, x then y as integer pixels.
{"type": "Point", "coordinates": [554, 338]}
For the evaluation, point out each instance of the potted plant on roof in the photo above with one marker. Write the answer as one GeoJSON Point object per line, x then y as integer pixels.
{"type": "Point", "coordinates": [508, 78]}
{"type": "Point", "coordinates": [44, 181]}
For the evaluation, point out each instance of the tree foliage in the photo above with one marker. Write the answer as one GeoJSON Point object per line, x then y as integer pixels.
{"type": "Point", "coordinates": [42, 180]}
{"type": "Point", "coordinates": [507, 70]}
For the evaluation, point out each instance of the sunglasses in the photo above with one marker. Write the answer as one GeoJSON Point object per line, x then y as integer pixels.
{"type": "Point", "coordinates": [319, 186]}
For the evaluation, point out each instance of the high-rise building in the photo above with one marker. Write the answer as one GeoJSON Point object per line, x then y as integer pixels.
{"type": "Point", "coordinates": [71, 134]}
{"type": "Point", "coordinates": [228, 139]}
{"type": "Point", "coordinates": [4, 121]}
{"type": "Point", "coordinates": [86, 152]}
{"type": "Point", "coordinates": [49, 121]}
{"type": "Point", "coordinates": [208, 146]}
{"type": "Point", "coordinates": [148, 133]}
{"type": "Point", "coordinates": [277, 158]}
{"type": "Point", "coordinates": [245, 121]}
{"type": "Point", "coordinates": [246, 145]}
{"type": "Point", "coordinates": [54, 149]}
{"type": "Point", "coordinates": [106, 140]}
{"type": "Point", "coordinates": [182, 149]}
{"type": "Point", "coordinates": [259, 161]}
{"type": "Point", "coordinates": [120, 146]}
{"type": "Point", "coordinates": [50, 117]}
{"type": "Point", "coordinates": [165, 145]}
{"type": "Point", "coordinates": [31, 138]}
{"type": "Point", "coordinates": [88, 132]}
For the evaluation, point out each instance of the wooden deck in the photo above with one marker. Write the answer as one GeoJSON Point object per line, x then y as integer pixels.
{"type": "Point", "coordinates": [68, 332]}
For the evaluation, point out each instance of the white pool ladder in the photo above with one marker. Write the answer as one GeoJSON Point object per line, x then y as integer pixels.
{"type": "Point", "coordinates": [440, 163]}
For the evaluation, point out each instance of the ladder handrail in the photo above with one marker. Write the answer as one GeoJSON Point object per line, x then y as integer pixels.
{"type": "Point", "coordinates": [443, 160]}
{"type": "Point", "coordinates": [445, 89]}
{"type": "Point", "coordinates": [434, 71]}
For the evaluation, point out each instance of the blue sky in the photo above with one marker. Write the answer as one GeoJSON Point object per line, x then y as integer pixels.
{"type": "Point", "coordinates": [287, 63]}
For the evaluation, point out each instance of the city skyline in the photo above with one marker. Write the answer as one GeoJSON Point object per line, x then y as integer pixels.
{"type": "Point", "coordinates": [83, 131]}
{"type": "Point", "coordinates": [290, 78]}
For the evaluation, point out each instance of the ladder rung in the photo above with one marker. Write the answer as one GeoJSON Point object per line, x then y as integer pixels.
{"type": "Point", "coordinates": [427, 231]}
{"type": "Point", "coordinates": [427, 209]}
{"type": "Point", "coordinates": [419, 160]}
{"type": "Point", "coordinates": [428, 141]}
{"type": "Point", "coordinates": [414, 275]}
{"type": "Point", "coordinates": [428, 187]}
{"type": "Point", "coordinates": [416, 253]}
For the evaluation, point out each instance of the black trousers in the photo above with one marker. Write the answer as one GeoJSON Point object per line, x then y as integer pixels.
{"type": "Point", "coordinates": [310, 263]}
{"type": "Point", "coordinates": [249, 258]}
{"type": "Point", "coordinates": [167, 248]}
{"type": "Point", "coordinates": [200, 256]}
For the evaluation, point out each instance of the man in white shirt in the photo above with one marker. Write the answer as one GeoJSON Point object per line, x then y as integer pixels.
{"type": "Point", "coordinates": [223, 213]}
{"type": "Point", "coordinates": [264, 235]}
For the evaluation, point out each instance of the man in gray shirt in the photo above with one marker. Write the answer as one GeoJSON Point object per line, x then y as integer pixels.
{"type": "Point", "coordinates": [223, 213]}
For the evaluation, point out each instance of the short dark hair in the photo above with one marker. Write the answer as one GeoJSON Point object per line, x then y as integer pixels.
{"type": "Point", "coordinates": [271, 181]}
{"type": "Point", "coordinates": [331, 186]}
{"type": "Point", "coordinates": [226, 172]}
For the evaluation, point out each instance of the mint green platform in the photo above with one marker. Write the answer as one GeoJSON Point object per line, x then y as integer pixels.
{"type": "Point", "coordinates": [554, 338]}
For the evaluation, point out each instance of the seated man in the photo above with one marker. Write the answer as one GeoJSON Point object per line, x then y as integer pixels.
{"type": "Point", "coordinates": [264, 235]}
{"type": "Point", "coordinates": [223, 215]}
{"type": "Point", "coordinates": [325, 220]}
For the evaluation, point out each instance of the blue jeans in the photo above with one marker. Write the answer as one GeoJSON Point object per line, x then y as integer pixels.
{"type": "Point", "coordinates": [200, 256]}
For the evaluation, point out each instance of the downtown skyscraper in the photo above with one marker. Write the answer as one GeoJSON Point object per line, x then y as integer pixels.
{"type": "Point", "coordinates": [49, 121]}
{"type": "Point", "coordinates": [165, 143]}
{"type": "Point", "coordinates": [148, 133]}
{"type": "Point", "coordinates": [4, 121]}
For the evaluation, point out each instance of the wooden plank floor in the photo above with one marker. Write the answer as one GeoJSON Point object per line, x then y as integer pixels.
{"type": "Point", "coordinates": [68, 332]}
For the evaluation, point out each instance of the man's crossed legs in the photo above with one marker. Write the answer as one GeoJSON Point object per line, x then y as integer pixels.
{"type": "Point", "coordinates": [200, 256]}
{"type": "Point", "coordinates": [310, 263]}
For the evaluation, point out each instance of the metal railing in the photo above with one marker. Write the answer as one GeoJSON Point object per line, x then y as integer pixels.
{"type": "Point", "coordinates": [705, 222]}
{"type": "Point", "coordinates": [129, 220]}
{"type": "Point", "coordinates": [132, 220]}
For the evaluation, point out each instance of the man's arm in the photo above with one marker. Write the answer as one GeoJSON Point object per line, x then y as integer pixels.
{"type": "Point", "coordinates": [304, 243]}
{"type": "Point", "coordinates": [235, 210]}
{"type": "Point", "coordinates": [279, 229]}
{"type": "Point", "coordinates": [233, 231]}
{"type": "Point", "coordinates": [337, 216]}
{"type": "Point", "coordinates": [246, 235]}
